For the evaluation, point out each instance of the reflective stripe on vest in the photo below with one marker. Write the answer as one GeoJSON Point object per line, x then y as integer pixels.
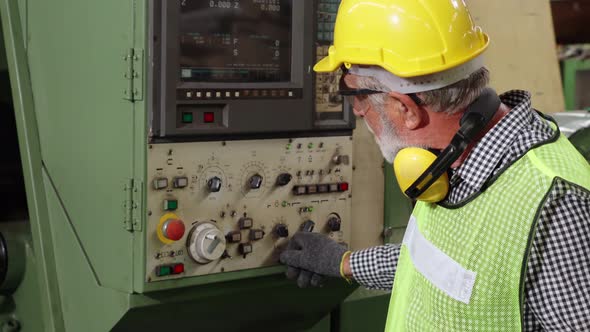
{"type": "Point", "coordinates": [441, 270]}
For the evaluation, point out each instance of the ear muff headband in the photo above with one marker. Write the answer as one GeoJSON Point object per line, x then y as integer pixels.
{"type": "Point", "coordinates": [475, 119]}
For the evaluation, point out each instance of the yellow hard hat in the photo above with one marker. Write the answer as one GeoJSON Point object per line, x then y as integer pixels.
{"type": "Point", "coordinates": [406, 37]}
{"type": "Point", "coordinates": [410, 164]}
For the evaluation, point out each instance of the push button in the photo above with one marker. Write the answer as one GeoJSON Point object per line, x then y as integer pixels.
{"type": "Point", "coordinates": [178, 268]}
{"type": "Point", "coordinates": [170, 204]}
{"type": "Point", "coordinates": [160, 183]}
{"type": "Point", "coordinates": [173, 229]}
{"type": "Point", "coordinates": [234, 237]}
{"type": "Point", "coordinates": [299, 190]}
{"type": "Point", "coordinates": [187, 117]}
{"type": "Point", "coordinates": [162, 271]}
{"type": "Point", "coordinates": [312, 189]}
{"type": "Point", "coordinates": [323, 188]}
{"type": "Point", "coordinates": [180, 182]}
{"type": "Point", "coordinates": [245, 248]}
{"type": "Point", "coordinates": [343, 186]}
{"type": "Point", "coordinates": [208, 117]}
{"type": "Point", "coordinates": [245, 223]}
{"type": "Point", "coordinates": [256, 234]}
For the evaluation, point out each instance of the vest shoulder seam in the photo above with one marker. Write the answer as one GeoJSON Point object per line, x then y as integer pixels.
{"type": "Point", "coordinates": [540, 165]}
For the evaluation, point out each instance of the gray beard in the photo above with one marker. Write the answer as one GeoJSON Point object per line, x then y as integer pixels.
{"type": "Point", "coordinates": [389, 141]}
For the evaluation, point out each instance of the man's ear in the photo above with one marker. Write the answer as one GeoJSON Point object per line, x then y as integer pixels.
{"type": "Point", "coordinates": [411, 115]}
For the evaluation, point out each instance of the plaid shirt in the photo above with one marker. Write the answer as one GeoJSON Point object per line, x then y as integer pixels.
{"type": "Point", "coordinates": [557, 285]}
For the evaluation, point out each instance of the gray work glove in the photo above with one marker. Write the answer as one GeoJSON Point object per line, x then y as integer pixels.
{"type": "Point", "coordinates": [311, 256]}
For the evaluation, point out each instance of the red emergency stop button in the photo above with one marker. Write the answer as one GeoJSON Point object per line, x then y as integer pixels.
{"type": "Point", "coordinates": [173, 229]}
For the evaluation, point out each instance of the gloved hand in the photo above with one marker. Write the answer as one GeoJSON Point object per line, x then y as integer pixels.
{"type": "Point", "coordinates": [310, 256]}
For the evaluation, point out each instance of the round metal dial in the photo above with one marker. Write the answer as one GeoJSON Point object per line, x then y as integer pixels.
{"type": "Point", "coordinates": [206, 242]}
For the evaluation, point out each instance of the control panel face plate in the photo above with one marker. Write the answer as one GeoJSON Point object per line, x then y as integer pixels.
{"type": "Point", "coordinates": [243, 198]}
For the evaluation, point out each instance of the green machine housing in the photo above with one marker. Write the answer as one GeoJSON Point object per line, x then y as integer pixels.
{"type": "Point", "coordinates": [107, 107]}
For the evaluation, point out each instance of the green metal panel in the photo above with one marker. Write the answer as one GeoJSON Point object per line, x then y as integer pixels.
{"type": "Point", "coordinates": [82, 298]}
{"type": "Point", "coordinates": [3, 60]}
{"type": "Point", "coordinates": [364, 310]}
{"type": "Point", "coordinates": [23, 305]}
{"type": "Point", "coordinates": [261, 304]}
{"type": "Point", "coordinates": [140, 121]}
{"type": "Point", "coordinates": [322, 326]}
{"type": "Point", "coordinates": [398, 208]}
{"type": "Point", "coordinates": [581, 140]}
{"type": "Point", "coordinates": [570, 70]}
{"type": "Point", "coordinates": [75, 53]}
{"type": "Point", "coordinates": [46, 294]}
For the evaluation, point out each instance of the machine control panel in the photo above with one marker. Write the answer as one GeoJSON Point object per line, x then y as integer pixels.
{"type": "Point", "coordinates": [223, 206]}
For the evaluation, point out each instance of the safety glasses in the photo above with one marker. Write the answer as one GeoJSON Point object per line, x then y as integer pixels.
{"type": "Point", "coordinates": [359, 98]}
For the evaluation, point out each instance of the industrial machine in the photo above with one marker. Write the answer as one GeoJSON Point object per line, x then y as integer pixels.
{"type": "Point", "coordinates": [170, 149]}
{"type": "Point", "coordinates": [217, 203]}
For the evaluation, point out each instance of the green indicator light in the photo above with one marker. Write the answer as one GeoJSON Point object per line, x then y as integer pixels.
{"type": "Point", "coordinates": [310, 209]}
{"type": "Point", "coordinates": [284, 204]}
{"type": "Point", "coordinates": [310, 145]}
{"type": "Point", "coordinates": [163, 271]}
{"type": "Point", "coordinates": [187, 117]}
{"type": "Point", "coordinates": [170, 205]}
{"type": "Point", "coordinates": [289, 146]}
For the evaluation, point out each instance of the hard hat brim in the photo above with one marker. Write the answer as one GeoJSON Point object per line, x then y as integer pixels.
{"type": "Point", "coordinates": [326, 66]}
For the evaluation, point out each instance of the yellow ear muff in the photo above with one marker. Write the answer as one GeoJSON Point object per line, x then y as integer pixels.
{"type": "Point", "coordinates": [408, 166]}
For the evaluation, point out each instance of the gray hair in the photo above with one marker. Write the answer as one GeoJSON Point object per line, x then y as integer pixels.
{"type": "Point", "coordinates": [450, 99]}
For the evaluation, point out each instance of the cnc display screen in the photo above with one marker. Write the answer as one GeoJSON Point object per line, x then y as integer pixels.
{"type": "Point", "coordinates": [235, 41]}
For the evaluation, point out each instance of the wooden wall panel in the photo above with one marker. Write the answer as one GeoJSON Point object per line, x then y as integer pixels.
{"type": "Point", "coordinates": [522, 54]}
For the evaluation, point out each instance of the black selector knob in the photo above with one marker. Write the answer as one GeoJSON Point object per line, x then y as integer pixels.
{"type": "Point", "coordinates": [214, 184]}
{"type": "Point", "coordinates": [283, 179]}
{"type": "Point", "coordinates": [255, 181]}
{"type": "Point", "coordinates": [307, 226]}
{"type": "Point", "coordinates": [334, 223]}
{"type": "Point", "coordinates": [281, 230]}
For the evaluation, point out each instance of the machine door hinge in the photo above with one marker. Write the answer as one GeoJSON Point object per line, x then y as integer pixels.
{"type": "Point", "coordinates": [134, 74]}
{"type": "Point", "coordinates": [132, 206]}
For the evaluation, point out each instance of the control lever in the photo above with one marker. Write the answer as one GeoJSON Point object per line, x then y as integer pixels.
{"type": "Point", "coordinates": [308, 226]}
{"type": "Point", "coordinates": [214, 244]}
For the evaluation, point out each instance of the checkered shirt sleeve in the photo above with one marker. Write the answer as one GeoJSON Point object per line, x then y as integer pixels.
{"type": "Point", "coordinates": [374, 268]}
{"type": "Point", "coordinates": [557, 284]}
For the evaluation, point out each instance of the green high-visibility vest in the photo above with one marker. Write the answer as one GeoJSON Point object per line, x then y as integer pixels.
{"type": "Point", "coordinates": [463, 268]}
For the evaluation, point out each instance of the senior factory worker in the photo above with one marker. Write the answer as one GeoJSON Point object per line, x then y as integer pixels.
{"type": "Point", "coordinates": [507, 247]}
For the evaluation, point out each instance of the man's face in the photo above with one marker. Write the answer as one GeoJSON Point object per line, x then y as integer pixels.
{"type": "Point", "coordinates": [389, 140]}
{"type": "Point", "coordinates": [378, 122]}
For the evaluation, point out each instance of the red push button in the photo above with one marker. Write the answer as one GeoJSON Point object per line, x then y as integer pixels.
{"type": "Point", "coordinates": [178, 268]}
{"type": "Point", "coordinates": [343, 186]}
{"type": "Point", "coordinates": [208, 117]}
{"type": "Point", "coordinates": [173, 229]}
